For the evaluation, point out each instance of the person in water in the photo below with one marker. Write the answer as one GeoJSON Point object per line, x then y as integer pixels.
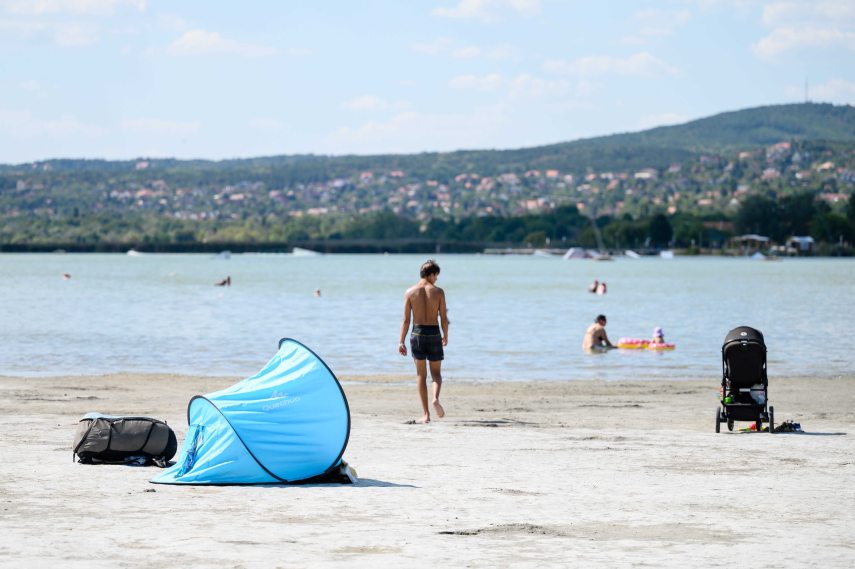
{"type": "Point", "coordinates": [225, 282]}
{"type": "Point", "coordinates": [424, 302]}
{"type": "Point", "coordinates": [602, 288]}
{"type": "Point", "coordinates": [596, 340]}
{"type": "Point", "coordinates": [594, 286]}
{"type": "Point", "coordinates": [658, 336]}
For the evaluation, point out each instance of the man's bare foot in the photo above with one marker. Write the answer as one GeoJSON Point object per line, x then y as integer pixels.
{"type": "Point", "coordinates": [440, 412]}
{"type": "Point", "coordinates": [423, 421]}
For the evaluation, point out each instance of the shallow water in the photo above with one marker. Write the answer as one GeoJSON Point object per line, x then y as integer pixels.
{"type": "Point", "coordinates": [512, 318]}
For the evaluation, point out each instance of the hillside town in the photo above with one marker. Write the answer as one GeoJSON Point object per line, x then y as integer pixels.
{"type": "Point", "coordinates": [709, 184]}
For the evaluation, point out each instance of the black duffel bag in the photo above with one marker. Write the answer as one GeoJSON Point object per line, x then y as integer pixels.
{"type": "Point", "coordinates": [125, 440]}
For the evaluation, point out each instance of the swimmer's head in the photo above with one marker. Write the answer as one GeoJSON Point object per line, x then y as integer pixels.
{"type": "Point", "coordinates": [429, 268]}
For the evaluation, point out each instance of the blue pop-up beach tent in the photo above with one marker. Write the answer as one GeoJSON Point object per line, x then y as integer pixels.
{"type": "Point", "coordinates": [288, 423]}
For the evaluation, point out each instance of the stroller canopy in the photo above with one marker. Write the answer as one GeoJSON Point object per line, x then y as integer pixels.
{"type": "Point", "coordinates": [744, 357]}
{"type": "Point", "coordinates": [287, 423]}
{"type": "Point", "coordinates": [744, 334]}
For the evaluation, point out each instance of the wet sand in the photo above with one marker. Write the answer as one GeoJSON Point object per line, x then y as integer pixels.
{"type": "Point", "coordinates": [623, 473]}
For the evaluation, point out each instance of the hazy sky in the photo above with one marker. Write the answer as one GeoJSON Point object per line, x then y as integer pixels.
{"type": "Point", "coordinates": [206, 79]}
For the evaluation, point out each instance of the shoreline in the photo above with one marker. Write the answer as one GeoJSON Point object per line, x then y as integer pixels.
{"type": "Point", "coordinates": [380, 249]}
{"type": "Point", "coordinates": [578, 473]}
{"type": "Point", "coordinates": [383, 394]}
{"type": "Point", "coordinates": [357, 379]}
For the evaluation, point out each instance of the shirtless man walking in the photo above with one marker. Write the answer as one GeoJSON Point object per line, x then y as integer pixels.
{"type": "Point", "coordinates": [426, 302]}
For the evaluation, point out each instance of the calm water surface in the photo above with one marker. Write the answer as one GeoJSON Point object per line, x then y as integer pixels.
{"type": "Point", "coordinates": [512, 318]}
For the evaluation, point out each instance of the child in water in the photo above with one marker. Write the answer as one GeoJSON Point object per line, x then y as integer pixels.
{"type": "Point", "coordinates": [658, 336]}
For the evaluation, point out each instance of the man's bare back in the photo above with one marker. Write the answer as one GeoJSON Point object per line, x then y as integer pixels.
{"type": "Point", "coordinates": [425, 300]}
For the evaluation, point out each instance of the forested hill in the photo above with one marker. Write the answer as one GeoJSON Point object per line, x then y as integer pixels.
{"type": "Point", "coordinates": [759, 126]}
{"type": "Point", "coordinates": [722, 133]}
{"type": "Point", "coordinates": [655, 148]}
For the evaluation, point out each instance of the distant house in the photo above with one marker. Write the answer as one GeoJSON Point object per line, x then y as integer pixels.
{"type": "Point", "coordinates": [770, 174]}
{"type": "Point", "coordinates": [646, 174]}
{"type": "Point", "coordinates": [486, 184]}
{"type": "Point", "coordinates": [751, 238]}
{"type": "Point", "coordinates": [802, 244]}
{"type": "Point", "coordinates": [751, 242]}
{"type": "Point", "coordinates": [778, 151]}
{"type": "Point", "coordinates": [833, 198]}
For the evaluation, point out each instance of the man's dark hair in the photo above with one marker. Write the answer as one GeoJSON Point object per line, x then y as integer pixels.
{"type": "Point", "coordinates": [600, 317]}
{"type": "Point", "coordinates": [429, 267]}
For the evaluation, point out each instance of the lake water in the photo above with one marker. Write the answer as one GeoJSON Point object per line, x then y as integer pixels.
{"type": "Point", "coordinates": [512, 318]}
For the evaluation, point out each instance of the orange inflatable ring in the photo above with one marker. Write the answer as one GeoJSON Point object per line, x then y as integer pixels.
{"type": "Point", "coordinates": [632, 344]}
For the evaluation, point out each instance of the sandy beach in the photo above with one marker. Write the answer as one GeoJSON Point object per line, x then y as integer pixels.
{"type": "Point", "coordinates": [618, 474]}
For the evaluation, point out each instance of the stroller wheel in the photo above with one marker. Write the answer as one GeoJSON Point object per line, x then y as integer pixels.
{"type": "Point", "coordinates": [771, 419]}
{"type": "Point", "coordinates": [730, 424]}
{"type": "Point", "coordinates": [717, 420]}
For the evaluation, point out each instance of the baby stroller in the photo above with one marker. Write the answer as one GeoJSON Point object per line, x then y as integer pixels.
{"type": "Point", "coordinates": [744, 385]}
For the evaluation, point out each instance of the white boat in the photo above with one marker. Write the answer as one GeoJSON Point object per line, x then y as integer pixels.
{"type": "Point", "coordinates": [134, 253]}
{"type": "Point", "coordinates": [574, 253]}
{"type": "Point", "coordinates": [300, 252]}
{"type": "Point", "coordinates": [758, 256]}
{"type": "Point", "coordinates": [666, 254]}
{"type": "Point", "coordinates": [632, 254]}
{"type": "Point", "coordinates": [541, 253]}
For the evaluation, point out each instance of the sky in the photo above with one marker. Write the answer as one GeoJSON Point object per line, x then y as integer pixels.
{"type": "Point", "coordinates": [123, 79]}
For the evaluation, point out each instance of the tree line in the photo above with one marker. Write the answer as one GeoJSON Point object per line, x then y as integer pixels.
{"type": "Point", "coordinates": [565, 226]}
